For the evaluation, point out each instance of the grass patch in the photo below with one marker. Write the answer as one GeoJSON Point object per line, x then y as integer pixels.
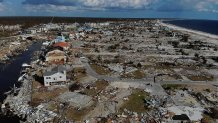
{"type": "Point", "coordinates": [79, 70]}
{"type": "Point", "coordinates": [86, 50]}
{"type": "Point", "coordinates": [135, 102]}
{"type": "Point", "coordinates": [36, 85]}
{"type": "Point", "coordinates": [53, 106]}
{"type": "Point", "coordinates": [90, 92]}
{"type": "Point", "coordinates": [100, 70]}
{"type": "Point", "coordinates": [77, 115]}
{"type": "Point", "coordinates": [207, 119]}
{"type": "Point", "coordinates": [201, 78]}
{"type": "Point", "coordinates": [39, 97]}
{"type": "Point", "coordinates": [74, 114]}
{"type": "Point", "coordinates": [171, 86]}
{"type": "Point", "coordinates": [138, 74]}
{"type": "Point", "coordinates": [147, 66]}
{"type": "Point", "coordinates": [78, 77]}
{"type": "Point", "coordinates": [77, 74]}
{"type": "Point", "coordinates": [99, 85]}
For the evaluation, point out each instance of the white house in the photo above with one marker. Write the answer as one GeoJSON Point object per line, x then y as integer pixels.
{"type": "Point", "coordinates": [42, 29]}
{"type": "Point", "coordinates": [55, 76]}
{"type": "Point", "coordinates": [31, 31]}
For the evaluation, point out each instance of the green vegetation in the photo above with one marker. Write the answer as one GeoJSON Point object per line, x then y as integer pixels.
{"type": "Point", "coordinates": [38, 97]}
{"type": "Point", "coordinates": [100, 85]}
{"type": "Point", "coordinates": [171, 86]}
{"type": "Point", "coordinates": [138, 74]}
{"type": "Point", "coordinates": [90, 92]}
{"type": "Point", "coordinates": [77, 74]}
{"type": "Point", "coordinates": [201, 78]}
{"type": "Point", "coordinates": [207, 119]}
{"type": "Point", "coordinates": [100, 70]}
{"type": "Point", "coordinates": [53, 106]}
{"type": "Point", "coordinates": [76, 115]}
{"type": "Point", "coordinates": [135, 102]}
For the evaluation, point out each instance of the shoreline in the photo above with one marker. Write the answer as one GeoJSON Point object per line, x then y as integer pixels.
{"type": "Point", "coordinates": [197, 32]}
{"type": "Point", "coordinates": [10, 104]}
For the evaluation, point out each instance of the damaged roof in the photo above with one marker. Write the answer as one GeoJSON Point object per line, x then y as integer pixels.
{"type": "Point", "coordinates": [58, 69]}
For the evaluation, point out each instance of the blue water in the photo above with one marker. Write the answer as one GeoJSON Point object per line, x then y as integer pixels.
{"type": "Point", "coordinates": [208, 26]}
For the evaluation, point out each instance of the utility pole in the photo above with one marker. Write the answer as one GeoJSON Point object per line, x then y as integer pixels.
{"type": "Point", "coordinates": [52, 19]}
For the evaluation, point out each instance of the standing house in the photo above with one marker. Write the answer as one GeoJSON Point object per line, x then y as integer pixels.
{"type": "Point", "coordinates": [55, 76]}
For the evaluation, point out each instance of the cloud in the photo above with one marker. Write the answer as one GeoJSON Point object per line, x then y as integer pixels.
{"type": "Point", "coordinates": [49, 2]}
{"type": "Point", "coordinates": [208, 6]}
{"type": "Point", "coordinates": [49, 8]}
{"type": "Point", "coordinates": [156, 5]}
{"type": "Point", "coordinates": [122, 4]}
{"type": "Point", "coordinates": [95, 4]}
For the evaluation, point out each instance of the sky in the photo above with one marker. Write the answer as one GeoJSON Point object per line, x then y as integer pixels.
{"type": "Point", "coordinates": [188, 9]}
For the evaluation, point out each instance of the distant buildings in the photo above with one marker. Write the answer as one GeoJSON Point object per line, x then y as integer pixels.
{"type": "Point", "coordinates": [10, 27]}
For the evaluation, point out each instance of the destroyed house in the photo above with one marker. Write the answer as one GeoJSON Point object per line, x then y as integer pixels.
{"type": "Point", "coordinates": [183, 118]}
{"type": "Point", "coordinates": [63, 45]}
{"type": "Point", "coordinates": [55, 76]}
{"type": "Point", "coordinates": [56, 57]}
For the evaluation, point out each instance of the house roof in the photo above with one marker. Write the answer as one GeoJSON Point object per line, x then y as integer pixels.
{"type": "Point", "coordinates": [58, 69]}
{"type": "Point", "coordinates": [55, 52]}
{"type": "Point", "coordinates": [61, 44]}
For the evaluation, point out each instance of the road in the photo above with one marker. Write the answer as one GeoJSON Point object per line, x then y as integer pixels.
{"type": "Point", "coordinates": [147, 83]}
{"type": "Point", "coordinates": [92, 72]}
{"type": "Point", "coordinates": [144, 83]}
{"type": "Point", "coordinates": [189, 82]}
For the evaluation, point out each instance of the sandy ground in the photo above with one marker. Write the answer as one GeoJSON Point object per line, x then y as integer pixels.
{"type": "Point", "coordinates": [189, 30]}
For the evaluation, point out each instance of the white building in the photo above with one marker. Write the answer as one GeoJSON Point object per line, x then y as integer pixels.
{"type": "Point", "coordinates": [51, 26]}
{"type": "Point", "coordinates": [31, 31]}
{"type": "Point", "coordinates": [55, 76]}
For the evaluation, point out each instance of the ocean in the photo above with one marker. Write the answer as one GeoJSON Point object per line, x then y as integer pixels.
{"type": "Point", "coordinates": [208, 26]}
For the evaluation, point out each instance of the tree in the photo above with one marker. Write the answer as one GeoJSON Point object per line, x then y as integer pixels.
{"type": "Point", "coordinates": [204, 60]}
{"type": "Point", "coordinates": [139, 65]}
{"type": "Point", "coordinates": [175, 44]}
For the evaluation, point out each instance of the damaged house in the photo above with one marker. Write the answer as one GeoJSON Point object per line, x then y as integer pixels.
{"type": "Point", "coordinates": [56, 57]}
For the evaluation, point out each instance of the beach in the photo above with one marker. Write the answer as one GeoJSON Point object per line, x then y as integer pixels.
{"type": "Point", "coordinates": [174, 27]}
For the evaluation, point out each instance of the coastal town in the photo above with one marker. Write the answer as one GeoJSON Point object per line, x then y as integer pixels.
{"type": "Point", "coordinates": [125, 71]}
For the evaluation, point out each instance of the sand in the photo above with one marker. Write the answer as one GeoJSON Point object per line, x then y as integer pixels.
{"type": "Point", "coordinates": [171, 26]}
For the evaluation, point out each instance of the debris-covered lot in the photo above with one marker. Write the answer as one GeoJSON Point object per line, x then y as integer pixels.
{"type": "Point", "coordinates": [125, 71]}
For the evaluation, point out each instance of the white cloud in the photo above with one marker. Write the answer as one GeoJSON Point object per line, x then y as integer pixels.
{"type": "Point", "coordinates": [207, 6]}
{"type": "Point", "coordinates": [79, 5]}
{"type": "Point", "coordinates": [2, 7]}
{"type": "Point", "coordinates": [125, 4]}
{"type": "Point", "coordinates": [49, 8]}
{"type": "Point", "coordinates": [56, 8]}
{"type": "Point", "coordinates": [89, 5]}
